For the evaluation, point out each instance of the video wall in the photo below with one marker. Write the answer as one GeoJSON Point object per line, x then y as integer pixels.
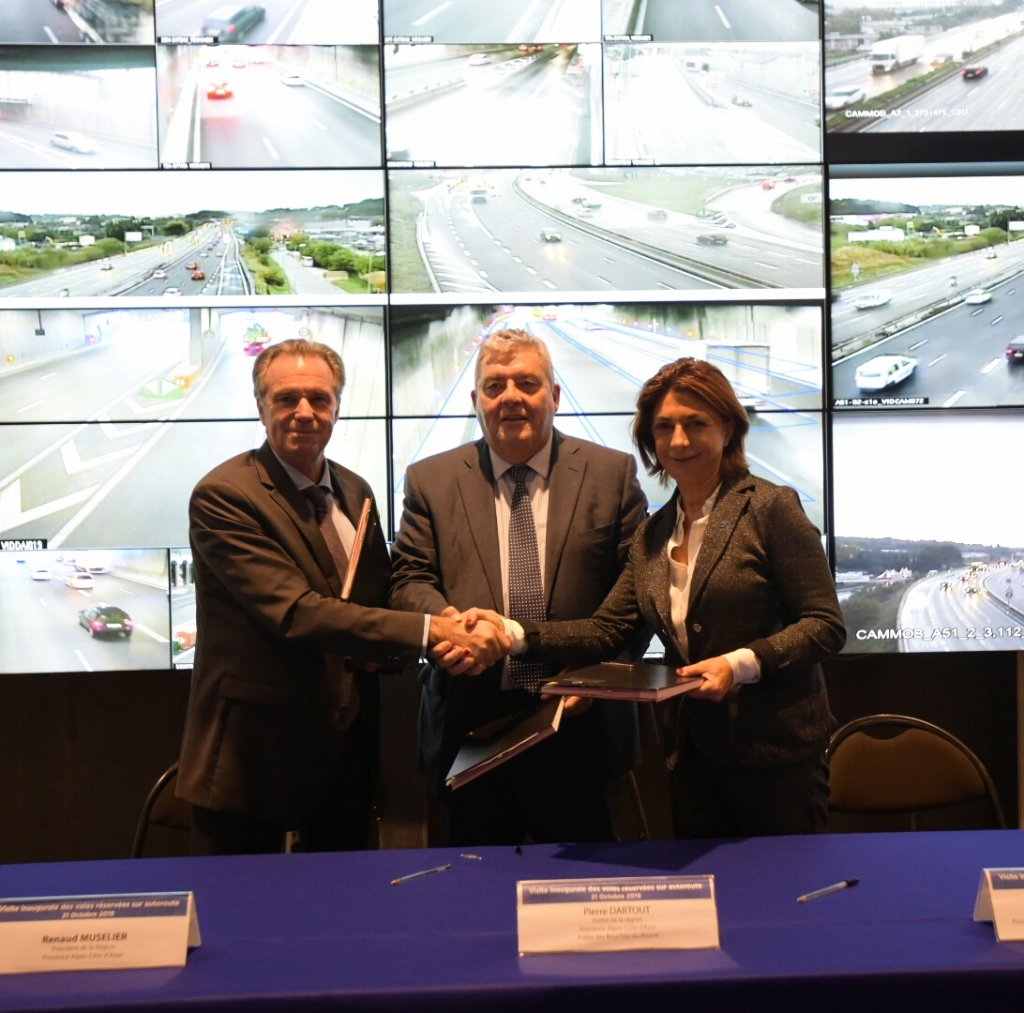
{"type": "Point", "coordinates": [183, 183]}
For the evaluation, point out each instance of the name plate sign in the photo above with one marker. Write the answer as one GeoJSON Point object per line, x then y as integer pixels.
{"type": "Point", "coordinates": [100, 932]}
{"type": "Point", "coordinates": [1001, 901]}
{"type": "Point", "coordinates": [628, 913]}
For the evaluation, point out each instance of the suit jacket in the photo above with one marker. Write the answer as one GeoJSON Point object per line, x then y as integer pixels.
{"type": "Point", "coordinates": [271, 633]}
{"type": "Point", "coordinates": [447, 553]}
{"type": "Point", "coordinates": [760, 580]}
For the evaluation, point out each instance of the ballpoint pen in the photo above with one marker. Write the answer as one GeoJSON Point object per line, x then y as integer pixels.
{"type": "Point", "coordinates": [422, 872]}
{"type": "Point", "coordinates": [843, 884]}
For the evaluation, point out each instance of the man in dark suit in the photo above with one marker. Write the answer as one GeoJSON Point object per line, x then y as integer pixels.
{"type": "Point", "coordinates": [282, 730]}
{"type": "Point", "coordinates": [452, 552]}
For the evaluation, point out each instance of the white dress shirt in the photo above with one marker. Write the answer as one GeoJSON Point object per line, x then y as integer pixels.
{"type": "Point", "coordinates": [744, 662]}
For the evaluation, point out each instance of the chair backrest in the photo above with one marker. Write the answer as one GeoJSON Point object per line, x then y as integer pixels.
{"type": "Point", "coordinates": [165, 822]}
{"type": "Point", "coordinates": [907, 774]}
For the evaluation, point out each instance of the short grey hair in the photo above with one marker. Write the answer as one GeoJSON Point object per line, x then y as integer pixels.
{"type": "Point", "coordinates": [506, 344]}
{"type": "Point", "coordinates": [296, 346]}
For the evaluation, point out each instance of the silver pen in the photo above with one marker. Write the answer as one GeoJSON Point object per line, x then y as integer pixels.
{"type": "Point", "coordinates": [843, 884]}
{"type": "Point", "coordinates": [422, 872]}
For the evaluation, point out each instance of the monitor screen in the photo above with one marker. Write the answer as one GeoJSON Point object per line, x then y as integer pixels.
{"type": "Point", "coordinates": [823, 198]}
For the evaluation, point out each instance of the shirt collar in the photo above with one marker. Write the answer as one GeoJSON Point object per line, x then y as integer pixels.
{"type": "Point", "coordinates": [300, 480]}
{"type": "Point", "coordinates": [540, 462]}
{"type": "Point", "coordinates": [709, 504]}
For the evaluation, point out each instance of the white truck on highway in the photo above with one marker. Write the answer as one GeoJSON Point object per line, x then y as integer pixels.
{"type": "Point", "coordinates": [899, 51]}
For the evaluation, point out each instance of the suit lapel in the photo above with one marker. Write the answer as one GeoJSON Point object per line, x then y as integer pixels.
{"type": "Point", "coordinates": [732, 501]}
{"type": "Point", "coordinates": [297, 507]}
{"type": "Point", "coordinates": [475, 482]}
{"type": "Point", "coordinates": [565, 479]}
{"type": "Point", "coordinates": [657, 577]}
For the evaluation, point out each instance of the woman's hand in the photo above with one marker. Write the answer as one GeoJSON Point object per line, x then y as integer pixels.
{"type": "Point", "coordinates": [717, 675]}
{"type": "Point", "coordinates": [458, 653]}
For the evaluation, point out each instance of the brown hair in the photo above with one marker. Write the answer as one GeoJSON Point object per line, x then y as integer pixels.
{"type": "Point", "coordinates": [705, 382]}
{"type": "Point", "coordinates": [296, 346]}
{"type": "Point", "coordinates": [504, 345]}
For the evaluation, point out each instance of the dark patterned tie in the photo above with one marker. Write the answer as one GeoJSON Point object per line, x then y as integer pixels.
{"type": "Point", "coordinates": [525, 587]}
{"type": "Point", "coordinates": [318, 495]}
{"type": "Point", "coordinates": [343, 686]}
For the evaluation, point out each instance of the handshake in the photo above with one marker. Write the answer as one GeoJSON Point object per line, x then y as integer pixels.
{"type": "Point", "coordinates": [467, 643]}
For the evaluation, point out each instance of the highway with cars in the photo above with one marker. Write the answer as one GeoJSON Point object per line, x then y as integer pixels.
{"type": "Point", "coordinates": [980, 609]}
{"type": "Point", "coordinates": [928, 486]}
{"type": "Point", "coordinates": [284, 22]}
{"type": "Point", "coordinates": [254, 113]}
{"type": "Point", "coordinates": [957, 334]}
{"type": "Point", "coordinates": [991, 101]}
{"type": "Point", "coordinates": [204, 262]}
{"type": "Point", "coordinates": [145, 212]}
{"type": "Point", "coordinates": [500, 108]}
{"type": "Point", "coordinates": [661, 105]}
{"type": "Point", "coordinates": [44, 612]}
{"type": "Point", "coordinates": [600, 364]}
{"type": "Point", "coordinates": [547, 230]}
{"type": "Point", "coordinates": [26, 146]}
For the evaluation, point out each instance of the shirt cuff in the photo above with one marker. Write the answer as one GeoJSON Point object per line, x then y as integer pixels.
{"type": "Point", "coordinates": [515, 633]}
{"type": "Point", "coordinates": [745, 665]}
{"type": "Point", "coordinates": [426, 636]}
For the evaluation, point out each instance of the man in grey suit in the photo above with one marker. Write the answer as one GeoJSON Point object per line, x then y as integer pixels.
{"type": "Point", "coordinates": [452, 552]}
{"type": "Point", "coordinates": [282, 730]}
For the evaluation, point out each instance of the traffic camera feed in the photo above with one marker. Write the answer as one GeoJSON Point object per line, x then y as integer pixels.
{"type": "Point", "coordinates": [706, 21]}
{"type": "Point", "coordinates": [936, 578]}
{"type": "Point", "coordinates": [601, 355]}
{"type": "Point", "coordinates": [77, 22]}
{"type": "Point", "coordinates": [190, 181]}
{"type": "Point", "coordinates": [903, 68]}
{"type": "Point", "coordinates": [120, 236]}
{"type": "Point", "coordinates": [84, 611]}
{"type": "Point", "coordinates": [442, 102]}
{"type": "Point", "coordinates": [468, 21]}
{"type": "Point", "coordinates": [121, 412]}
{"type": "Point", "coordinates": [926, 287]}
{"type": "Point", "coordinates": [273, 107]}
{"type": "Point", "coordinates": [776, 121]}
{"type": "Point", "coordinates": [274, 22]}
{"type": "Point", "coordinates": [637, 230]}
{"type": "Point", "coordinates": [77, 108]}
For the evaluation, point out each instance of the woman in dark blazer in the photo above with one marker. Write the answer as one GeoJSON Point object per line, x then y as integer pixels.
{"type": "Point", "coordinates": [731, 575]}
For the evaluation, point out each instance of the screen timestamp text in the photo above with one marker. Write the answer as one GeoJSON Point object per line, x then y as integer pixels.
{"type": "Point", "coordinates": [943, 633]}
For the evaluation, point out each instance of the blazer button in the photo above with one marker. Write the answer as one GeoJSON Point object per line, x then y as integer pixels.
{"type": "Point", "coordinates": [697, 628]}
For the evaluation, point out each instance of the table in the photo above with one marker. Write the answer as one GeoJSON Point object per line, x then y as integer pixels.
{"type": "Point", "coordinates": [288, 932]}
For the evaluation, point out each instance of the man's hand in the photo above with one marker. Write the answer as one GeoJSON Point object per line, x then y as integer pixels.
{"type": "Point", "coordinates": [465, 651]}
{"type": "Point", "coordinates": [475, 615]}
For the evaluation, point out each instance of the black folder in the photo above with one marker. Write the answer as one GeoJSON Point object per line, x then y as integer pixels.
{"type": "Point", "coordinates": [617, 680]}
{"type": "Point", "coordinates": [498, 741]}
